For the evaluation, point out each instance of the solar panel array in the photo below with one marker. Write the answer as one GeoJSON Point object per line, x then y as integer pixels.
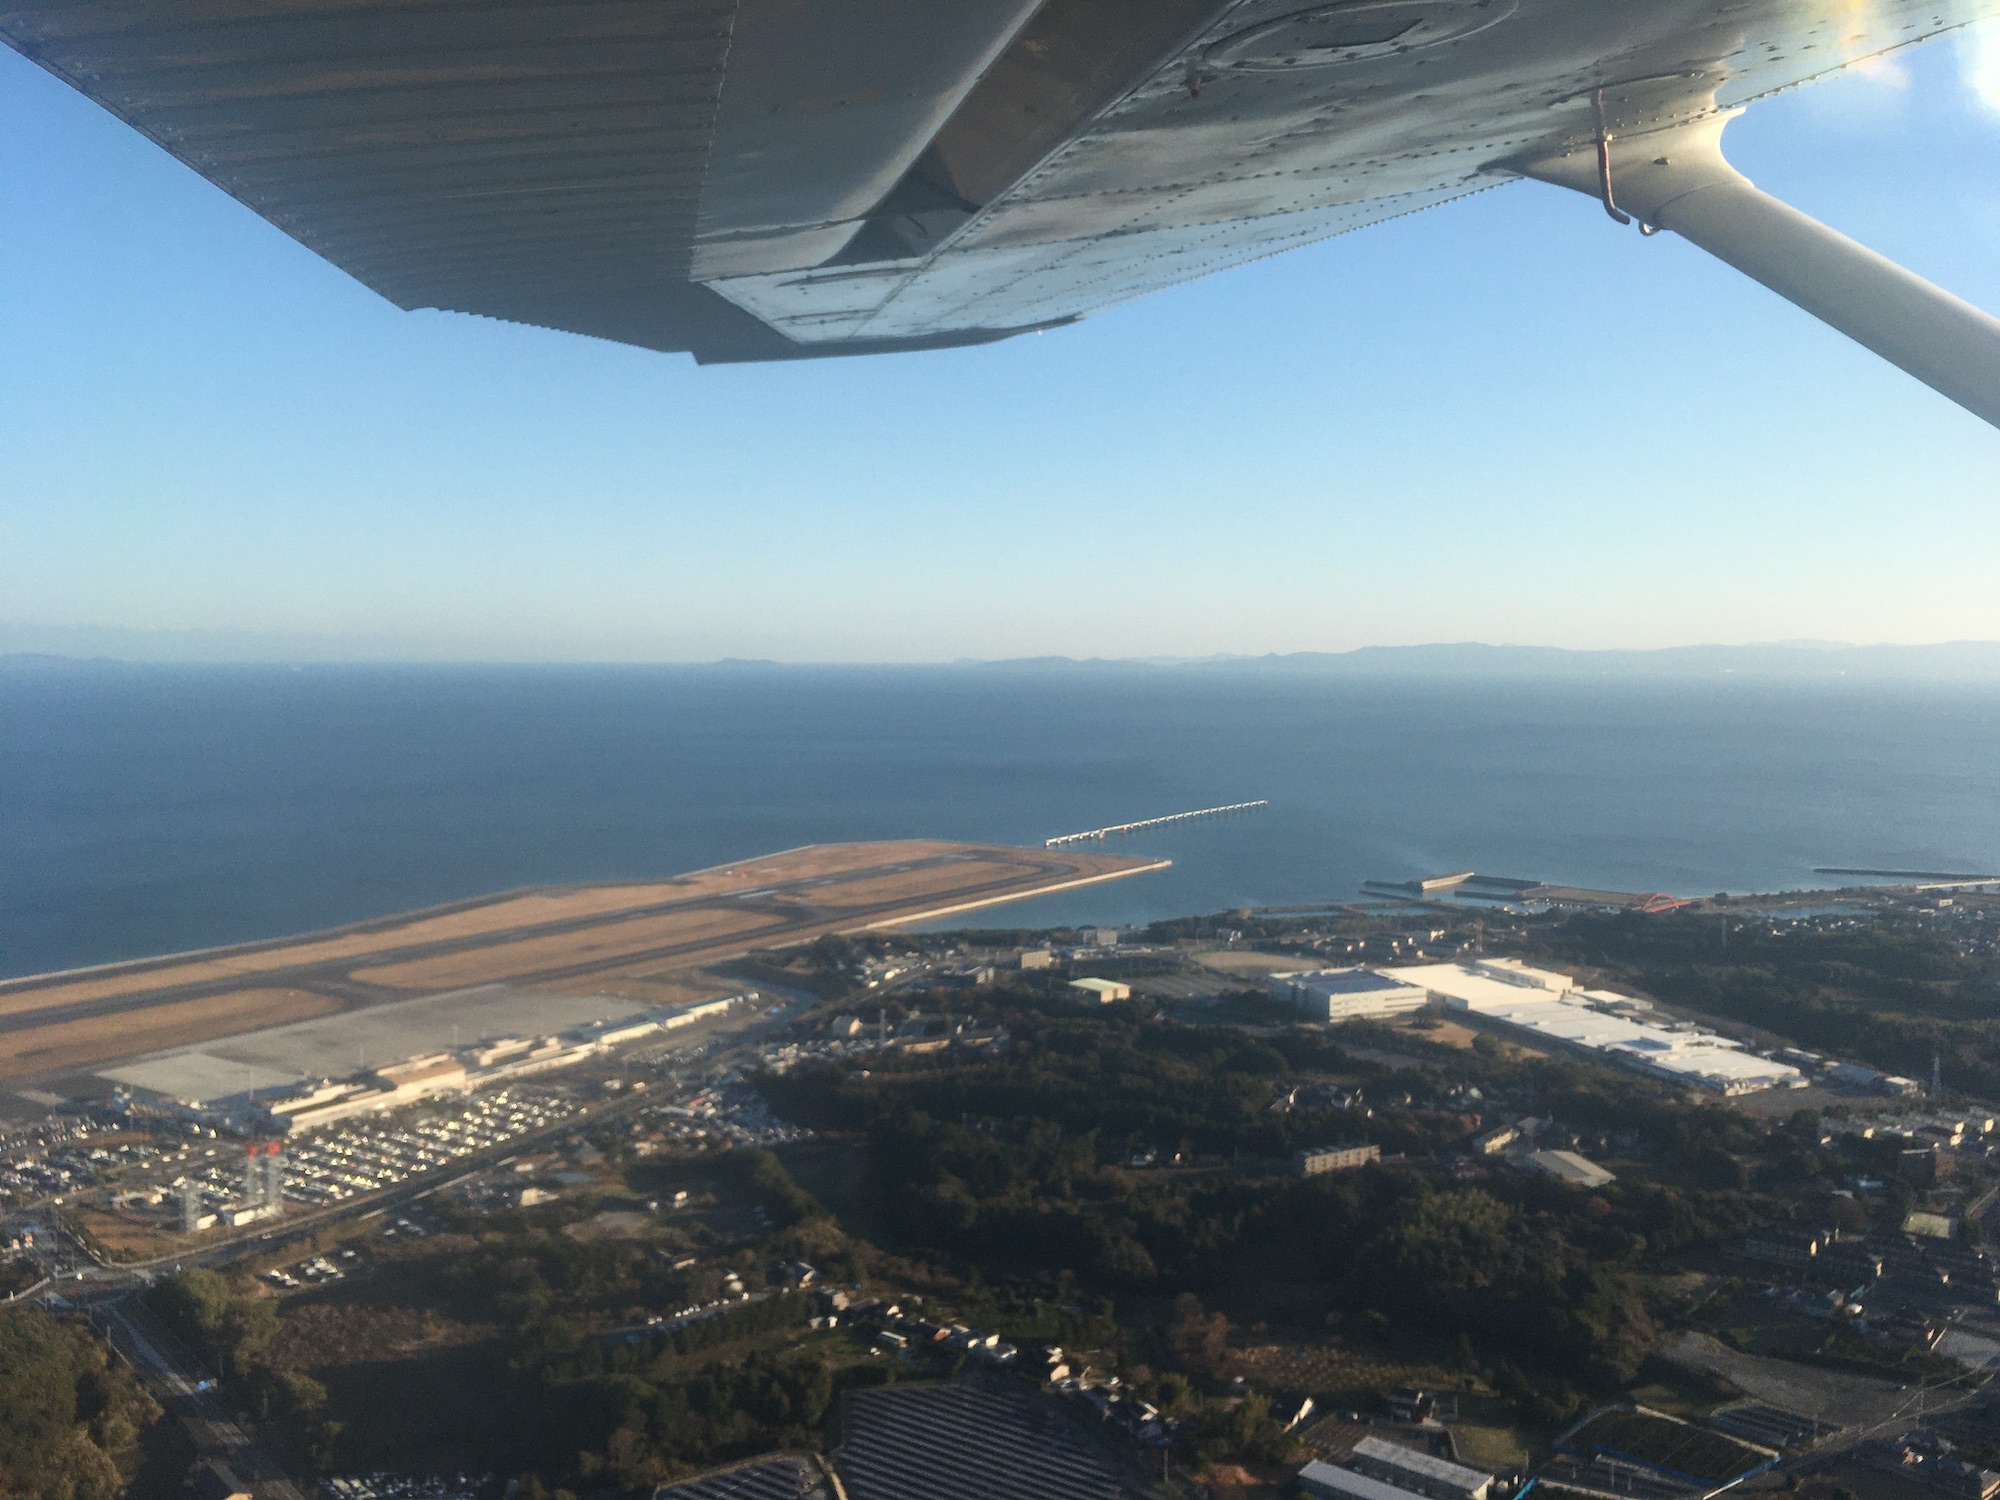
{"type": "Point", "coordinates": [1772, 1426]}
{"type": "Point", "coordinates": [955, 1442]}
{"type": "Point", "coordinates": [785, 1477]}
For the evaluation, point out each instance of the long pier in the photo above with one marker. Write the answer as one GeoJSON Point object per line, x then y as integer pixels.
{"type": "Point", "coordinates": [1181, 817]}
{"type": "Point", "coordinates": [1927, 880]}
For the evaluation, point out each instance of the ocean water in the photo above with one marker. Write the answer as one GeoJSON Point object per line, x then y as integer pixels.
{"type": "Point", "coordinates": [145, 809]}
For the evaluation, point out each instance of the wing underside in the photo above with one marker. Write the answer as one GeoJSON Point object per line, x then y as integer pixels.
{"type": "Point", "coordinates": [768, 179]}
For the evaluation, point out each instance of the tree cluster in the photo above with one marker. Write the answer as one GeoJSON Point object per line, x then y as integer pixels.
{"type": "Point", "coordinates": [1017, 1168]}
{"type": "Point", "coordinates": [71, 1417]}
{"type": "Point", "coordinates": [232, 1335]}
{"type": "Point", "coordinates": [490, 1350]}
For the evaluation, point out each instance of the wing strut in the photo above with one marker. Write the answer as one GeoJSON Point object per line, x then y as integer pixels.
{"type": "Point", "coordinates": [1677, 178]}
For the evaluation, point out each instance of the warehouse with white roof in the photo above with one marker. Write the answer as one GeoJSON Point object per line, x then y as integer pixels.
{"type": "Point", "coordinates": [1547, 1007]}
{"type": "Point", "coordinates": [1382, 1470]}
{"type": "Point", "coordinates": [1347, 994]}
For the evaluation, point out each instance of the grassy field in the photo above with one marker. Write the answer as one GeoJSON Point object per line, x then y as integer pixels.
{"type": "Point", "coordinates": [1336, 1375]}
{"type": "Point", "coordinates": [99, 1039]}
{"type": "Point", "coordinates": [1497, 1449]}
{"type": "Point", "coordinates": [122, 1238]}
{"type": "Point", "coordinates": [917, 885]}
{"type": "Point", "coordinates": [1249, 965]}
{"type": "Point", "coordinates": [592, 944]}
{"type": "Point", "coordinates": [669, 987]}
{"type": "Point", "coordinates": [500, 917]}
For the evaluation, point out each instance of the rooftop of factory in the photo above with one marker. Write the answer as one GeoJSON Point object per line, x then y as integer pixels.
{"type": "Point", "coordinates": [1322, 1479]}
{"type": "Point", "coordinates": [1568, 1167]}
{"type": "Point", "coordinates": [1344, 981]}
{"type": "Point", "coordinates": [1548, 1005]}
{"type": "Point", "coordinates": [1442, 1472]}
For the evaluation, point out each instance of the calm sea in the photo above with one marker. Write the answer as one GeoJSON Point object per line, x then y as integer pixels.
{"type": "Point", "coordinates": [145, 809]}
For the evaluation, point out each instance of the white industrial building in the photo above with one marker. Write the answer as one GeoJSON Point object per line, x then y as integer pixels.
{"type": "Point", "coordinates": [1382, 1470]}
{"type": "Point", "coordinates": [1853, 1075]}
{"type": "Point", "coordinates": [1547, 1007]}
{"type": "Point", "coordinates": [1421, 1473]}
{"type": "Point", "coordinates": [1568, 1167]}
{"type": "Point", "coordinates": [1099, 991]}
{"type": "Point", "coordinates": [1324, 1481]}
{"type": "Point", "coordinates": [1346, 994]}
{"type": "Point", "coordinates": [1316, 1163]}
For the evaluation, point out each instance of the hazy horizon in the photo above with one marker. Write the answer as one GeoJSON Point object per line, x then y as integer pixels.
{"type": "Point", "coordinates": [1980, 659]}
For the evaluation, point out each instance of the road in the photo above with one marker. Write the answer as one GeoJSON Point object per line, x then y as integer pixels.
{"type": "Point", "coordinates": [175, 1380]}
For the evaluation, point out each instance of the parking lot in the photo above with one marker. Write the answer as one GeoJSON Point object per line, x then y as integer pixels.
{"type": "Point", "coordinates": [366, 1155]}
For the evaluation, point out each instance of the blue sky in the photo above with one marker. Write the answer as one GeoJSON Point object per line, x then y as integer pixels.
{"type": "Point", "coordinates": [1504, 420]}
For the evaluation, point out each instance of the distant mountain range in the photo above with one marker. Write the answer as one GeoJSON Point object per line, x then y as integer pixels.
{"type": "Point", "coordinates": [1976, 661]}
{"type": "Point", "coordinates": [1973, 660]}
{"type": "Point", "coordinates": [1968, 661]}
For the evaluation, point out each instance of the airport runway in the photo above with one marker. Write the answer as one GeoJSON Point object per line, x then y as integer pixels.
{"type": "Point", "coordinates": [777, 911]}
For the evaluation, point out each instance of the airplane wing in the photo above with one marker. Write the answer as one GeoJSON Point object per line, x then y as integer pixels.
{"type": "Point", "coordinates": [770, 179]}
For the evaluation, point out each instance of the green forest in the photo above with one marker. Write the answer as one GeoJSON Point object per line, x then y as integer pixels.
{"type": "Point", "coordinates": [1018, 1168]}
{"type": "Point", "coordinates": [482, 1348]}
{"type": "Point", "coordinates": [72, 1424]}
